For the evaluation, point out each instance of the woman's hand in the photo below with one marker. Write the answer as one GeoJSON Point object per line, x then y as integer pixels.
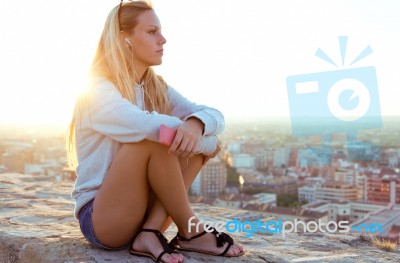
{"type": "Point", "coordinates": [187, 138]}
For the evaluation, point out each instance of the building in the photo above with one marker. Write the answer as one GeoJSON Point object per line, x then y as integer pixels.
{"type": "Point", "coordinates": [211, 180]}
{"type": "Point", "coordinates": [346, 211]}
{"type": "Point", "coordinates": [353, 177]}
{"type": "Point", "coordinates": [281, 157]}
{"type": "Point", "coordinates": [261, 160]}
{"type": "Point", "coordinates": [336, 191]}
{"type": "Point", "coordinates": [241, 160]}
{"type": "Point", "coordinates": [293, 157]}
{"type": "Point", "coordinates": [307, 193]}
{"type": "Point", "coordinates": [234, 147]}
{"type": "Point", "coordinates": [288, 214]}
{"type": "Point", "coordinates": [388, 218]}
{"type": "Point", "coordinates": [384, 188]}
{"type": "Point", "coordinates": [264, 199]}
{"type": "Point", "coordinates": [317, 156]}
{"type": "Point", "coordinates": [253, 147]}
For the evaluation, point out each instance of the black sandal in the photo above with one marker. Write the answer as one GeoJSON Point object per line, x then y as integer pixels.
{"type": "Point", "coordinates": [163, 241]}
{"type": "Point", "coordinates": [221, 237]}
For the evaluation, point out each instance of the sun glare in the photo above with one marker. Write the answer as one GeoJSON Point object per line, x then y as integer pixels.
{"type": "Point", "coordinates": [44, 65]}
{"type": "Point", "coordinates": [45, 94]}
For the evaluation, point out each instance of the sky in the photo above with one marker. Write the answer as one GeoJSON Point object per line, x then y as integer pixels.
{"type": "Point", "coordinates": [229, 54]}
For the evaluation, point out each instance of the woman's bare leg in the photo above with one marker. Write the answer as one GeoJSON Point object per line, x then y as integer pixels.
{"type": "Point", "coordinates": [190, 169]}
{"type": "Point", "coordinates": [158, 218]}
{"type": "Point", "coordinates": [121, 202]}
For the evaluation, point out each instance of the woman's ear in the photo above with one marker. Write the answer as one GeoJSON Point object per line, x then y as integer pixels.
{"type": "Point", "coordinates": [122, 35]}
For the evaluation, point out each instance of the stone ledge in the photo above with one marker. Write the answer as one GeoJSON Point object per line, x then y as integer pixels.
{"type": "Point", "coordinates": [37, 225]}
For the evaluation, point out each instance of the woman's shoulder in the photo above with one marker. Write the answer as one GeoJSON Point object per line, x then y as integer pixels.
{"type": "Point", "coordinates": [98, 89]}
{"type": "Point", "coordinates": [101, 85]}
{"type": "Point", "coordinates": [100, 82]}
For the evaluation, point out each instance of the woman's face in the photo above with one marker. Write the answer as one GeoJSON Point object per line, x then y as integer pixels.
{"type": "Point", "coordinates": [147, 40]}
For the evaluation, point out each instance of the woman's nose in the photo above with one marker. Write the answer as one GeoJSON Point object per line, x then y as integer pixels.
{"type": "Point", "coordinates": [163, 40]}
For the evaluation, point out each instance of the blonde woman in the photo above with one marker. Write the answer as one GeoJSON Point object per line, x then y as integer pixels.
{"type": "Point", "coordinates": [129, 186]}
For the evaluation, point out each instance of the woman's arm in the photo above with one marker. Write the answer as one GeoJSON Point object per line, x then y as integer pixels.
{"type": "Point", "coordinates": [184, 109]}
{"type": "Point", "coordinates": [198, 132]}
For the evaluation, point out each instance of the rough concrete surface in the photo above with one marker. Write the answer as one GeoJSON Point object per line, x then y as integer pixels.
{"type": "Point", "coordinates": [37, 225]}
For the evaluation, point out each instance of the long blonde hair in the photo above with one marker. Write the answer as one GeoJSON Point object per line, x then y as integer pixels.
{"type": "Point", "coordinates": [113, 60]}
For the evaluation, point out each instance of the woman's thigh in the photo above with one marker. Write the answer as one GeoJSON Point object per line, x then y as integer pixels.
{"type": "Point", "coordinates": [190, 168]}
{"type": "Point", "coordinates": [121, 202]}
{"type": "Point", "coordinates": [86, 225]}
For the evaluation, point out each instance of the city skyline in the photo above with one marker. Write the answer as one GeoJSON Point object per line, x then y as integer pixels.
{"type": "Point", "coordinates": [263, 170]}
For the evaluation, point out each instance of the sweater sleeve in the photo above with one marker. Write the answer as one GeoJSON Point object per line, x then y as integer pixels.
{"type": "Point", "coordinates": [112, 115]}
{"type": "Point", "coordinates": [181, 107]}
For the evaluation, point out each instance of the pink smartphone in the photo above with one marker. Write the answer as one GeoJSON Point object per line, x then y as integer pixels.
{"type": "Point", "coordinates": [167, 135]}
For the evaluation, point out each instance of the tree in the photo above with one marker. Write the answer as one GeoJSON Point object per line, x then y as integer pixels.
{"type": "Point", "coordinates": [232, 175]}
{"type": "Point", "coordinates": [287, 200]}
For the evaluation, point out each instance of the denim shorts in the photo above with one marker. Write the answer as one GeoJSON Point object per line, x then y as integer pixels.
{"type": "Point", "coordinates": [86, 224]}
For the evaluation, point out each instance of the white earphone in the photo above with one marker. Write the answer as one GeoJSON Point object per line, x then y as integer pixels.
{"type": "Point", "coordinates": [128, 42]}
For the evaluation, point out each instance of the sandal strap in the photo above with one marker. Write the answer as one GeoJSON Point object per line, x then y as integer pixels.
{"type": "Point", "coordinates": [221, 237]}
{"type": "Point", "coordinates": [160, 256]}
{"type": "Point", "coordinates": [226, 249]}
{"type": "Point", "coordinates": [179, 237]}
{"type": "Point", "coordinates": [174, 242]}
{"type": "Point", "coordinates": [163, 241]}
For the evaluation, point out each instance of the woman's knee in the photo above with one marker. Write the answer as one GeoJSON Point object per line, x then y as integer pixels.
{"type": "Point", "coordinates": [145, 145]}
{"type": "Point", "coordinates": [197, 161]}
{"type": "Point", "coordinates": [144, 148]}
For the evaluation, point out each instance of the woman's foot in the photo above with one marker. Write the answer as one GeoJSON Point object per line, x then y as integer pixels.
{"type": "Point", "coordinates": [149, 243]}
{"type": "Point", "coordinates": [214, 243]}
